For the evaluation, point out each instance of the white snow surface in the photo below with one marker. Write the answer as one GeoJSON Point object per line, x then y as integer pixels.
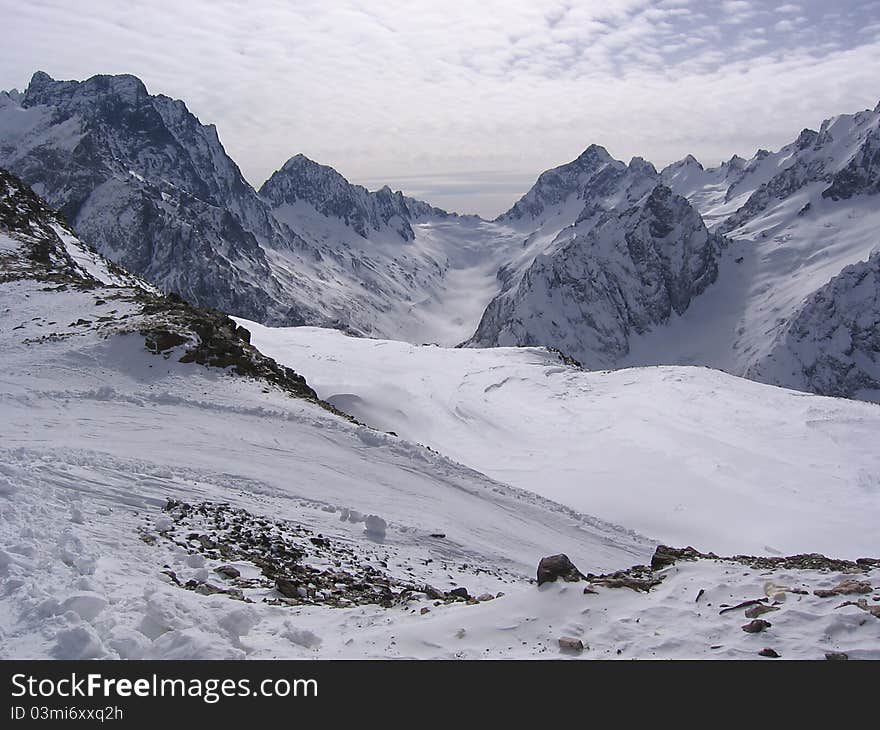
{"type": "Point", "coordinates": [686, 455]}
{"type": "Point", "coordinates": [96, 434]}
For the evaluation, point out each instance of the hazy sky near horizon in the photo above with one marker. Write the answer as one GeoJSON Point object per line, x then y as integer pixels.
{"type": "Point", "coordinates": [463, 103]}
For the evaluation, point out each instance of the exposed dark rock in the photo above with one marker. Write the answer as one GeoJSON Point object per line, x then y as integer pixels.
{"type": "Point", "coordinates": [756, 626]}
{"type": "Point", "coordinates": [760, 610]}
{"type": "Point", "coordinates": [861, 176]}
{"type": "Point", "coordinates": [664, 556]}
{"type": "Point", "coordinates": [567, 643]}
{"type": "Point", "coordinates": [282, 552]}
{"type": "Point", "coordinates": [624, 581]}
{"type": "Point", "coordinates": [744, 604]}
{"type": "Point", "coordinates": [287, 588]}
{"type": "Point", "coordinates": [158, 341]}
{"type": "Point", "coordinates": [558, 566]}
{"type": "Point", "coordinates": [229, 571]}
{"type": "Point", "coordinates": [629, 271]}
{"type": "Point", "coordinates": [848, 586]}
{"type": "Point", "coordinates": [768, 652]}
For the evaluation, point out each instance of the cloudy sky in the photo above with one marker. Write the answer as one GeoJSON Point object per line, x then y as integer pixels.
{"type": "Point", "coordinates": [464, 102]}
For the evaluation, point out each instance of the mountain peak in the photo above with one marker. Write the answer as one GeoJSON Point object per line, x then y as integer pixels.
{"type": "Point", "coordinates": [330, 194]}
{"type": "Point", "coordinates": [641, 165]}
{"type": "Point", "coordinates": [299, 162]}
{"type": "Point", "coordinates": [594, 153]}
{"type": "Point", "coordinates": [43, 89]}
{"type": "Point", "coordinates": [806, 138]}
{"type": "Point", "coordinates": [40, 78]}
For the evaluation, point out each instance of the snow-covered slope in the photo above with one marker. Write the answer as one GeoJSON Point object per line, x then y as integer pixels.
{"type": "Point", "coordinates": [168, 491]}
{"type": "Point", "coordinates": [114, 399]}
{"type": "Point", "coordinates": [686, 455]}
{"type": "Point", "coordinates": [798, 218]}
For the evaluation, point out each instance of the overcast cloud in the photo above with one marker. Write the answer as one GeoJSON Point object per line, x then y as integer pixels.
{"type": "Point", "coordinates": [464, 102]}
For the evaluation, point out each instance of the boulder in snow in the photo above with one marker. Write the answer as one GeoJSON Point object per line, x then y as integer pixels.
{"type": "Point", "coordinates": [558, 566]}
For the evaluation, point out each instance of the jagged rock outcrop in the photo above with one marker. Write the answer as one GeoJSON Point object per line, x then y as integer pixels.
{"type": "Point", "coordinates": [41, 245]}
{"type": "Point", "coordinates": [861, 175]}
{"type": "Point", "coordinates": [832, 346]}
{"type": "Point", "coordinates": [152, 188]}
{"type": "Point", "coordinates": [626, 275]}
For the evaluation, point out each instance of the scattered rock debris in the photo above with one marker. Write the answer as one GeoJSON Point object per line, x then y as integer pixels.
{"type": "Point", "coordinates": [290, 565]}
{"type": "Point", "coordinates": [846, 587]}
{"type": "Point", "coordinates": [665, 556]}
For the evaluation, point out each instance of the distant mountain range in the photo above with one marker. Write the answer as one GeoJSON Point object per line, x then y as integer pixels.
{"type": "Point", "coordinates": [766, 267]}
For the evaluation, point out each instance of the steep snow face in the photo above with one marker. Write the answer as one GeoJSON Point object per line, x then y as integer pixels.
{"type": "Point", "coordinates": [832, 346]}
{"type": "Point", "coordinates": [625, 275]}
{"type": "Point", "coordinates": [686, 455]}
{"type": "Point", "coordinates": [797, 218]}
{"type": "Point", "coordinates": [329, 194]}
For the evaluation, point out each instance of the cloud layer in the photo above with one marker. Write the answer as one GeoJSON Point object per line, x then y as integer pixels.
{"type": "Point", "coordinates": [434, 95]}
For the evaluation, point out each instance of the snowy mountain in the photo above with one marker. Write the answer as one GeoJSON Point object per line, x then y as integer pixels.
{"type": "Point", "coordinates": [378, 263]}
{"type": "Point", "coordinates": [302, 188]}
{"type": "Point", "coordinates": [597, 259]}
{"type": "Point", "coordinates": [624, 274]}
{"type": "Point", "coordinates": [144, 182]}
{"type": "Point", "coordinates": [169, 491]}
{"type": "Point", "coordinates": [152, 188]}
{"type": "Point", "coordinates": [794, 305]}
